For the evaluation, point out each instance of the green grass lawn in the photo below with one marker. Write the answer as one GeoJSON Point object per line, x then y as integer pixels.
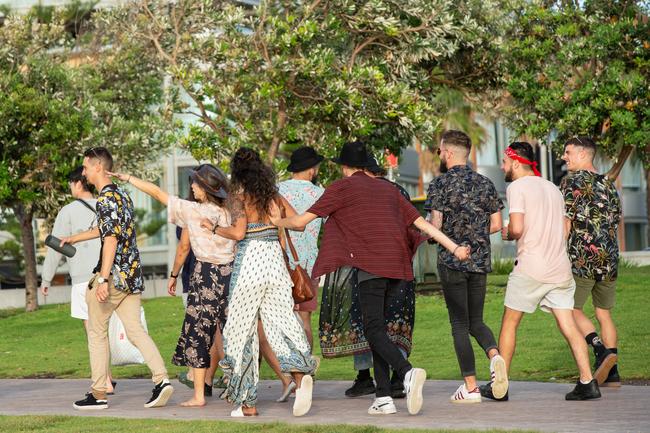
{"type": "Point", "coordinates": [48, 343]}
{"type": "Point", "coordinates": [68, 424]}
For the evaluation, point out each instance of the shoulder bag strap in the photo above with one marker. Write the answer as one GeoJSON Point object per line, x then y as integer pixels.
{"type": "Point", "coordinates": [283, 214]}
{"type": "Point", "coordinates": [85, 203]}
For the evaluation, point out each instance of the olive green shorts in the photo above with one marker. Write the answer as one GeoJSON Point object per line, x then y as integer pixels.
{"type": "Point", "coordinates": [603, 293]}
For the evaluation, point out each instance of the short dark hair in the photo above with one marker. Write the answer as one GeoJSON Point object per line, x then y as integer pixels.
{"type": "Point", "coordinates": [76, 175]}
{"type": "Point", "coordinates": [457, 139]}
{"type": "Point", "coordinates": [524, 149]}
{"type": "Point", "coordinates": [102, 154]}
{"type": "Point", "coordinates": [583, 141]}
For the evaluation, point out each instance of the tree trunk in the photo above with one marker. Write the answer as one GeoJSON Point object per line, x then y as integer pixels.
{"type": "Point", "coordinates": [279, 127]}
{"type": "Point", "coordinates": [647, 203]}
{"type": "Point", "coordinates": [620, 162]}
{"type": "Point", "coordinates": [25, 217]}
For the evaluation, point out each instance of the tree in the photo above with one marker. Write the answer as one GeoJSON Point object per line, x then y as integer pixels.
{"type": "Point", "coordinates": [318, 73]}
{"type": "Point", "coordinates": [581, 68]}
{"type": "Point", "coordinates": [62, 92]}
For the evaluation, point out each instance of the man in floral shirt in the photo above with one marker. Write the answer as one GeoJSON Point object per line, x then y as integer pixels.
{"type": "Point", "coordinates": [116, 286]}
{"type": "Point", "coordinates": [593, 210]}
{"type": "Point", "coordinates": [466, 207]}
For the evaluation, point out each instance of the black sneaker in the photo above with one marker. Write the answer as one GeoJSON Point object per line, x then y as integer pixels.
{"type": "Point", "coordinates": [604, 364]}
{"type": "Point", "coordinates": [361, 387]}
{"type": "Point", "coordinates": [90, 403]}
{"type": "Point", "coordinates": [613, 379]}
{"type": "Point", "coordinates": [486, 391]}
{"type": "Point", "coordinates": [397, 387]}
{"type": "Point", "coordinates": [584, 391]}
{"type": "Point", "coordinates": [160, 394]}
{"type": "Point", "coordinates": [207, 390]}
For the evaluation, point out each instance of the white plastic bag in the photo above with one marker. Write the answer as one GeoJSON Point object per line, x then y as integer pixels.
{"type": "Point", "coordinates": [122, 351]}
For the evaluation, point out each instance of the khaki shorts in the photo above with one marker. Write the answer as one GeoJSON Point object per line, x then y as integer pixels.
{"type": "Point", "coordinates": [603, 293]}
{"type": "Point", "coordinates": [525, 294]}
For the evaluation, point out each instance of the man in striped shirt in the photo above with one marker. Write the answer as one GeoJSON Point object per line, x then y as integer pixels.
{"type": "Point", "coordinates": [367, 228]}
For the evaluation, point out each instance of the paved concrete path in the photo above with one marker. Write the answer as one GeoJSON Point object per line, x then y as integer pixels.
{"type": "Point", "coordinates": [533, 406]}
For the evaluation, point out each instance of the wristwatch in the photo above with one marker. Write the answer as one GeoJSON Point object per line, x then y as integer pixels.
{"type": "Point", "coordinates": [102, 280]}
{"type": "Point", "coordinates": [171, 275]}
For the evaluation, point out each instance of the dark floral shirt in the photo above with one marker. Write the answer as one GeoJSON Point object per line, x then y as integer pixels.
{"type": "Point", "coordinates": [594, 208]}
{"type": "Point", "coordinates": [466, 200]}
{"type": "Point", "coordinates": [117, 218]}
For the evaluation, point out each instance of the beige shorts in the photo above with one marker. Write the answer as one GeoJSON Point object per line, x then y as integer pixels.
{"type": "Point", "coordinates": [525, 294]}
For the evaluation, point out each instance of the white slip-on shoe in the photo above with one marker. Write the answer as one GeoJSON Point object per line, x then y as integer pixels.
{"type": "Point", "coordinates": [303, 396]}
{"type": "Point", "coordinates": [462, 395]}
{"type": "Point", "coordinates": [382, 406]}
{"type": "Point", "coordinates": [413, 384]}
{"type": "Point", "coordinates": [499, 376]}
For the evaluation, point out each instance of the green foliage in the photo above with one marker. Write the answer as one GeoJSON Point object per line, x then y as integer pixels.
{"type": "Point", "coordinates": [580, 68]}
{"type": "Point", "coordinates": [317, 73]}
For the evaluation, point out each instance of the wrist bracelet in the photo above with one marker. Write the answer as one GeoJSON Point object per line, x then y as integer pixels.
{"type": "Point", "coordinates": [171, 275]}
{"type": "Point", "coordinates": [454, 252]}
{"type": "Point", "coordinates": [129, 179]}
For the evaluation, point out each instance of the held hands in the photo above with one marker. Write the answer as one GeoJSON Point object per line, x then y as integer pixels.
{"type": "Point", "coordinates": [462, 252]}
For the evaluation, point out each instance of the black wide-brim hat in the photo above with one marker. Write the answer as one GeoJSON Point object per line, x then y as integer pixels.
{"type": "Point", "coordinates": [304, 158]}
{"type": "Point", "coordinates": [211, 179]}
{"type": "Point", "coordinates": [353, 154]}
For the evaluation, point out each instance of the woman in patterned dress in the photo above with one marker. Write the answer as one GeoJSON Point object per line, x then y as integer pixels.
{"type": "Point", "coordinates": [260, 290]}
{"type": "Point", "coordinates": [199, 345]}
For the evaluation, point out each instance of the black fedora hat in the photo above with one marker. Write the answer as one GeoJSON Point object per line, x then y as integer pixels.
{"type": "Point", "coordinates": [374, 167]}
{"type": "Point", "coordinates": [211, 179]}
{"type": "Point", "coordinates": [304, 158]}
{"type": "Point", "coordinates": [353, 154]}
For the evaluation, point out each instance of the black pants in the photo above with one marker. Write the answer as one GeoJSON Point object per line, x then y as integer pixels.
{"type": "Point", "coordinates": [465, 295]}
{"type": "Point", "coordinates": [375, 295]}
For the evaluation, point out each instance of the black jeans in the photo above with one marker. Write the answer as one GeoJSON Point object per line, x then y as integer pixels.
{"type": "Point", "coordinates": [375, 295]}
{"type": "Point", "coordinates": [465, 295]}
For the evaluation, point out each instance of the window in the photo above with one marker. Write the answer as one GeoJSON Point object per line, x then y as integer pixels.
{"type": "Point", "coordinates": [635, 236]}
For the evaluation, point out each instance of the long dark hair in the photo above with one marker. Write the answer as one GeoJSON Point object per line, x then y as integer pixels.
{"type": "Point", "coordinates": [254, 179]}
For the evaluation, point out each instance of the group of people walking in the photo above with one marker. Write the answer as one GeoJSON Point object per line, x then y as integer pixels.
{"type": "Point", "coordinates": [239, 302]}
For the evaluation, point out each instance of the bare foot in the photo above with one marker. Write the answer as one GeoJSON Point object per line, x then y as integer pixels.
{"type": "Point", "coordinates": [193, 402]}
{"type": "Point", "coordinates": [249, 411]}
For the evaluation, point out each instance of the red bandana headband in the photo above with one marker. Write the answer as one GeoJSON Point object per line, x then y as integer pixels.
{"type": "Point", "coordinates": [513, 155]}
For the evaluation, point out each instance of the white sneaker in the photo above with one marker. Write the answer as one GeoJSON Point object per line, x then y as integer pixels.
{"type": "Point", "coordinates": [382, 406]}
{"type": "Point", "coordinates": [499, 376]}
{"type": "Point", "coordinates": [462, 395]}
{"type": "Point", "coordinates": [413, 384]}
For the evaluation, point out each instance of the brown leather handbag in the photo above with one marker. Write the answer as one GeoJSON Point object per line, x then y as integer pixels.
{"type": "Point", "coordinates": [303, 285]}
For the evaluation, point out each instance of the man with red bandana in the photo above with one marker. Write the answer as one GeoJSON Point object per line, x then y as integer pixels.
{"type": "Point", "coordinates": [542, 273]}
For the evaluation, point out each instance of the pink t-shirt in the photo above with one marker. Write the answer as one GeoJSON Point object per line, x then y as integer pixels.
{"type": "Point", "coordinates": [206, 246]}
{"type": "Point", "coordinates": [541, 250]}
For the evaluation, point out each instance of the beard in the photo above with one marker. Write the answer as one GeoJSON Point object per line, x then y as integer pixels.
{"type": "Point", "coordinates": [443, 166]}
{"type": "Point", "coordinates": [508, 176]}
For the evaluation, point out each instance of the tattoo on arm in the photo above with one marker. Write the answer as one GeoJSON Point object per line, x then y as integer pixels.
{"type": "Point", "coordinates": [236, 207]}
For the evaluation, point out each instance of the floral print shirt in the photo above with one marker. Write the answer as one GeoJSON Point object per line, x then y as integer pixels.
{"type": "Point", "coordinates": [594, 208]}
{"type": "Point", "coordinates": [302, 194]}
{"type": "Point", "coordinates": [466, 200]}
{"type": "Point", "coordinates": [116, 217]}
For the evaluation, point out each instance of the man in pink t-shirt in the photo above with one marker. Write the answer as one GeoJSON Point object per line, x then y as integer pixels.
{"type": "Point", "coordinates": [542, 274]}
